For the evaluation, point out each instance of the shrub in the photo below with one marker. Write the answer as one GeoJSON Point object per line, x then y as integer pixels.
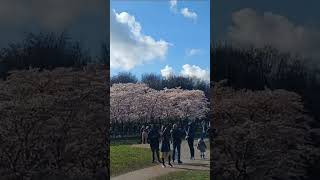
{"type": "Point", "coordinates": [54, 123]}
{"type": "Point", "coordinates": [260, 135]}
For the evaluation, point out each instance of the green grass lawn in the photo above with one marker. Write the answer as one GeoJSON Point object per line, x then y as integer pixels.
{"type": "Point", "coordinates": [124, 158]}
{"type": "Point", "coordinates": [125, 141]}
{"type": "Point", "coordinates": [185, 175]}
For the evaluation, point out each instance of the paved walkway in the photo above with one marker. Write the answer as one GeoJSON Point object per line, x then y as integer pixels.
{"type": "Point", "coordinates": [157, 170]}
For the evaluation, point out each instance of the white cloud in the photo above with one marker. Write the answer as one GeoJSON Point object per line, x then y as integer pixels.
{"type": "Point", "coordinates": [128, 46]}
{"type": "Point", "coordinates": [193, 52]}
{"type": "Point", "coordinates": [188, 14]}
{"type": "Point", "coordinates": [251, 28]}
{"type": "Point", "coordinates": [192, 71]}
{"type": "Point", "coordinates": [167, 71]}
{"type": "Point", "coordinates": [195, 71]}
{"type": "Point", "coordinates": [173, 5]}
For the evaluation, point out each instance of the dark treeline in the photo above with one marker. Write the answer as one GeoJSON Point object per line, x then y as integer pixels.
{"type": "Point", "coordinates": [47, 51]}
{"type": "Point", "coordinates": [259, 68]}
{"type": "Point", "coordinates": [159, 82]}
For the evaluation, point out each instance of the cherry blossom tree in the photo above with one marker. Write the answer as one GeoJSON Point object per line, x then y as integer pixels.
{"type": "Point", "coordinates": [184, 104]}
{"type": "Point", "coordinates": [261, 135]}
{"type": "Point", "coordinates": [136, 102]}
{"type": "Point", "coordinates": [128, 101]}
{"type": "Point", "coordinates": [54, 123]}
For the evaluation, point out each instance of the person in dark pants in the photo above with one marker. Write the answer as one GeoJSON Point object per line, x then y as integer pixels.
{"type": "Point", "coordinates": [141, 131]}
{"type": "Point", "coordinates": [190, 133]}
{"type": "Point", "coordinates": [145, 135]}
{"type": "Point", "coordinates": [153, 140]}
{"type": "Point", "coordinates": [204, 129]}
{"type": "Point", "coordinates": [177, 135]}
{"type": "Point", "coordinates": [165, 145]}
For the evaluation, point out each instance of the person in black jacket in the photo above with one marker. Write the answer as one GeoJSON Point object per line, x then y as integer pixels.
{"type": "Point", "coordinates": [153, 140]}
{"type": "Point", "coordinates": [190, 133]}
{"type": "Point", "coordinates": [165, 145]}
{"type": "Point", "coordinates": [177, 135]}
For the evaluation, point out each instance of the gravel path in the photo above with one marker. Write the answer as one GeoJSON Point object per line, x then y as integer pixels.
{"type": "Point", "coordinates": [157, 170]}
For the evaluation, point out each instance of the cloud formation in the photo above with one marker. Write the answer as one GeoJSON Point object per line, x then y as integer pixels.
{"type": "Point", "coordinates": [188, 14]}
{"type": "Point", "coordinates": [251, 28]}
{"type": "Point", "coordinates": [193, 52]}
{"type": "Point", "coordinates": [167, 71]}
{"type": "Point", "coordinates": [188, 70]}
{"type": "Point", "coordinates": [128, 46]}
{"type": "Point", "coordinates": [196, 72]}
{"type": "Point", "coordinates": [173, 5]}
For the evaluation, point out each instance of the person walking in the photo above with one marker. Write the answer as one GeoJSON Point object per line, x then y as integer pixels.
{"type": "Point", "coordinates": [177, 135]}
{"type": "Point", "coordinates": [141, 131]}
{"type": "Point", "coordinates": [165, 146]}
{"type": "Point", "coordinates": [208, 128]}
{"type": "Point", "coordinates": [145, 135]}
{"type": "Point", "coordinates": [204, 129]}
{"type": "Point", "coordinates": [153, 140]}
{"type": "Point", "coordinates": [201, 146]}
{"type": "Point", "coordinates": [190, 133]}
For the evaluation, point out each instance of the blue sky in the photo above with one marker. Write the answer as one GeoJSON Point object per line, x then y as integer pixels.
{"type": "Point", "coordinates": [182, 33]}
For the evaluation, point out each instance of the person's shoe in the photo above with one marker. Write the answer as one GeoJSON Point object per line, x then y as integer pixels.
{"type": "Point", "coordinates": [163, 166]}
{"type": "Point", "coordinates": [170, 165]}
{"type": "Point", "coordinates": [159, 161]}
{"type": "Point", "coordinates": [153, 161]}
{"type": "Point", "coordinates": [179, 162]}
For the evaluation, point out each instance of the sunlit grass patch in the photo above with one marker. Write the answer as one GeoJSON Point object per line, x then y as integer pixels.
{"type": "Point", "coordinates": [124, 158]}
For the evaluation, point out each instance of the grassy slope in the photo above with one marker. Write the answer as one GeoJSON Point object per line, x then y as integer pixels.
{"type": "Point", "coordinates": [125, 159]}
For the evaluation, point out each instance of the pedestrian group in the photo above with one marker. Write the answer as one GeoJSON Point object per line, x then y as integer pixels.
{"type": "Point", "coordinates": [173, 135]}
